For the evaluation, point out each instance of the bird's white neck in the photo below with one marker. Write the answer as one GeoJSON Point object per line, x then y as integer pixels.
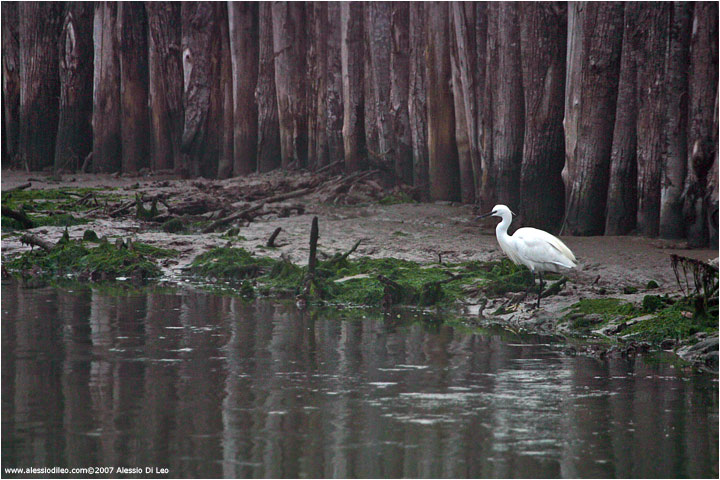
{"type": "Point", "coordinates": [502, 227]}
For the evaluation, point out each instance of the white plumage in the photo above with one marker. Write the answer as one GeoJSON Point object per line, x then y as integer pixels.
{"type": "Point", "coordinates": [536, 249]}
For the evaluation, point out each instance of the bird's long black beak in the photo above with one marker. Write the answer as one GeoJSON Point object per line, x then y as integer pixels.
{"type": "Point", "coordinates": [483, 216]}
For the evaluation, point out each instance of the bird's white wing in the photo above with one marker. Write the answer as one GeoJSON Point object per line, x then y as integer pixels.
{"type": "Point", "coordinates": [540, 247]}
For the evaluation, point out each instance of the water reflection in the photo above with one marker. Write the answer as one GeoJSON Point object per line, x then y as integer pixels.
{"type": "Point", "coordinates": [213, 387]}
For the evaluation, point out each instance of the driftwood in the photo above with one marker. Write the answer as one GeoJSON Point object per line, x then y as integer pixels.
{"type": "Point", "coordinates": [312, 259]}
{"type": "Point", "coordinates": [243, 213]}
{"type": "Point", "coordinates": [340, 258]}
{"type": "Point", "coordinates": [37, 241]}
{"type": "Point", "coordinates": [271, 240]}
{"type": "Point", "coordinates": [18, 215]}
{"type": "Point", "coordinates": [20, 187]}
{"type": "Point", "coordinates": [330, 166]}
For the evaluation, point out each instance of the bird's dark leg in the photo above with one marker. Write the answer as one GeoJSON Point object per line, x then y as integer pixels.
{"type": "Point", "coordinates": [540, 289]}
{"type": "Point", "coordinates": [530, 287]}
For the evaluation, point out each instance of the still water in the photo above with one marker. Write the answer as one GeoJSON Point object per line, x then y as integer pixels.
{"type": "Point", "coordinates": [209, 386]}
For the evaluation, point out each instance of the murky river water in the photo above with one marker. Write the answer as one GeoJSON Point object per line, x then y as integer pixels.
{"type": "Point", "coordinates": [208, 386]}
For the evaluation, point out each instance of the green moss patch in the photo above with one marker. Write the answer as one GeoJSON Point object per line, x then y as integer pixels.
{"type": "Point", "coordinates": [82, 261]}
{"type": "Point", "coordinates": [676, 321]}
{"type": "Point", "coordinates": [396, 198]}
{"type": "Point", "coordinates": [364, 281]}
{"type": "Point", "coordinates": [52, 207]}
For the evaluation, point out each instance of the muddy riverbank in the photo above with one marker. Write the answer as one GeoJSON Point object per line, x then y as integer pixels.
{"type": "Point", "coordinates": [609, 267]}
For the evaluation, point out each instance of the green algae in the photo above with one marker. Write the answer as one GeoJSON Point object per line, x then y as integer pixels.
{"type": "Point", "coordinates": [396, 198]}
{"type": "Point", "coordinates": [79, 260]}
{"type": "Point", "coordinates": [52, 207]}
{"type": "Point", "coordinates": [362, 281]}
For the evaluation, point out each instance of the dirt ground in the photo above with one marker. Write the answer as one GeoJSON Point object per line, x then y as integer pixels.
{"type": "Point", "coordinates": [412, 231]}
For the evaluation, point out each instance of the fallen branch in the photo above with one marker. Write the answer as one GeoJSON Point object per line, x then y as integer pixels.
{"type": "Point", "coordinates": [277, 198]}
{"type": "Point", "coordinates": [122, 208]}
{"type": "Point", "coordinates": [329, 166]}
{"type": "Point", "coordinates": [271, 241]}
{"type": "Point", "coordinates": [29, 239]}
{"type": "Point", "coordinates": [312, 259]}
{"type": "Point", "coordinates": [20, 187]}
{"type": "Point", "coordinates": [18, 215]}
{"type": "Point", "coordinates": [337, 259]}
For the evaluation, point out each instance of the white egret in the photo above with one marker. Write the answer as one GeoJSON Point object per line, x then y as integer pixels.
{"type": "Point", "coordinates": [536, 249]}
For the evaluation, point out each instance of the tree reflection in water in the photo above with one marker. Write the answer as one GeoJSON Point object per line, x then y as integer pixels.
{"type": "Point", "coordinates": [213, 386]}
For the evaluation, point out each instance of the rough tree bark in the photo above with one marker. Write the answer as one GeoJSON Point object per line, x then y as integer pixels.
{"type": "Point", "coordinates": [10, 81]}
{"type": "Point", "coordinates": [166, 84]}
{"type": "Point", "coordinates": [268, 146]}
{"type": "Point", "coordinates": [203, 113]}
{"type": "Point", "coordinates": [74, 137]}
{"type": "Point", "coordinates": [370, 115]}
{"type": "Point", "coordinates": [488, 196]}
{"type": "Point", "coordinates": [508, 107]}
{"type": "Point", "coordinates": [243, 21]}
{"type": "Point", "coordinates": [675, 151]}
{"type": "Point", "coordinates": [226, 159]}
{"type": "Point", "coordinates": [712, 204]}
{"type": "Point", "coordinates": [467, 180]}
{"type": "Point", "coordinates": [289, 43]}
{"type": "Point", "coordinates": [380, 39]}
{"type": "Point", "coordinates": [135, 118]}
{"type": "Point", "coordinates": [544, 33]}
{"type": "Point", "coordinates": [352, 58]}
{"type": "Point", "coordinates": [482, 106]}
{"type": "Point", "coordinates": [443, 156]}
{"type": "Point", "coordinates": [417, 105]}
{"type": "Point", "coordinates": [334, 106]}
{"type": "Point", "coordinates": [400, 75]}
{"type": "Point", "coordinates": [703, 84]}
{"type": "Point", "coordinates": [651, 115]}
{"type": "Point", "coordinates": [39, 29]}
{"type": "Point", "coordinates": [106, 90]}
{"type": "Point", "coordinates": [621, 206]}
{"type": "Point", "coordinates": [593, 65]}
{"type": "Point", "coordinates": [466, 58]}
{"type": "Point", "coordinates": [317, 84]}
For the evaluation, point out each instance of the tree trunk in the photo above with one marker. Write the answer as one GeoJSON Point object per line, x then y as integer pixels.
{"type": "Point", "coordinates": [466, 57]}
{"type": "Point", "coordinates": [488, 194]}
{"type": "Point", "coordinates": [675, 152]}
{"type": "Point", "coordinates": [268, 147]}
{"type": "Point", "coordinates": [317, 84]}
{"type": "Point", "coordinates": [417, 105]}
{"type": "Point", "coordinates": [289, 43]}
{"type": "Point", "coordinates": [379, 30]}
{"type": "Point", "coordinates": [39, 29]}
{"type": "Point", "coordinates": [703, 84]}
{"type": "Point", "coordinates": [621, 207]}
{"type": "Point", "coordinates": [334, 105]}
{"type": "Point", "coordinates": [10, 81]}
{"type": "Point", "coordinates": [544, 34]}
{"type": "Point", "coordinates": [400, 75]}
{"type": "Point", "coordinates": [352, 55]}
{"type": "Point", "coordinates": [203, 112]}
{"type": "Point", "coordinates": [712, 206]}
{"type": "Point", "coordinates": [467, 181]}
{"type": "Point", "coordinates": [651, 118]}
{"type": "Point", "coordinates": [106, 90]}
{"type": "Point", "coordinates": [227, 159]}
{"type": "Point", "coordinates": [74, 138]}
{"type": "Point", "coordinates": [508, 107]}
{"type": "Point", "coordinates": [443, 155]}
{"type": "Point", "coordinates": [593, 65]}
{"type": "Point", "coordinates": [135, 119]}
{"type": "Point", "coordinates": [243, 21]}
{"type": "Point", "coordinates": [370, 115]}
{"type": "Point", "coordinates": [482, 107]}
{"type": "Point", "coordinates": [166, 84]}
